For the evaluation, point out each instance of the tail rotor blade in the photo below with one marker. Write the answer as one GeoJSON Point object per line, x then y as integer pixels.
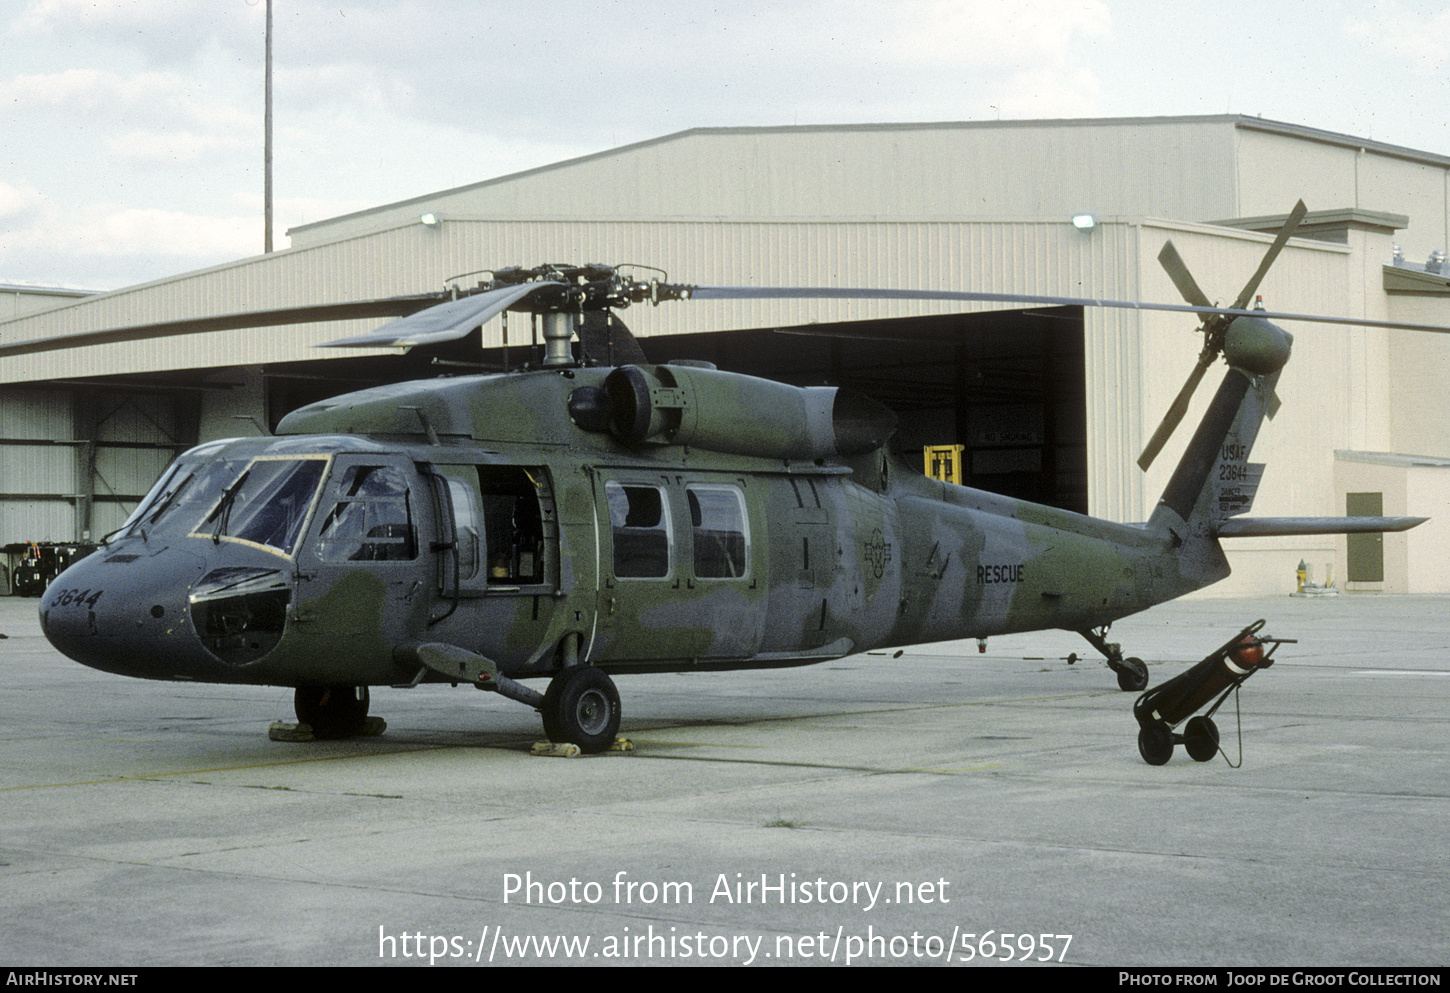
{"type": "Point", "coordinates": [1274, 402]}
{"type": "Point", "coordinates": [1182, 278]}
{"type": "Point", "coordinates": [1285, 233]}
{"type": "Point", "coordinates": [1176, 410]}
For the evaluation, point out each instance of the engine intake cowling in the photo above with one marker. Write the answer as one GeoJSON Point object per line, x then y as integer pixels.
{"type": "Point", "coordinates": [732, 413]}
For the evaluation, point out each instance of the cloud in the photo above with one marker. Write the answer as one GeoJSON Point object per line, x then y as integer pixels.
{"type": "Point", "coordinates": [108, 229]}
{"type": "Point", "coordinates": [152, 96]}
{"type": "Point", "coordinates": [18, 203]}
{"type": "Point", "coordinates": [1417, 40]}
{"type": "Point", "coordinates": [143, 117]}
{"type": "Point", "coordinates": [165, 32]}
{"type": "Point", "coordinates": [175, 148]}
{"type": "Point", "coordinates": [36, 234]}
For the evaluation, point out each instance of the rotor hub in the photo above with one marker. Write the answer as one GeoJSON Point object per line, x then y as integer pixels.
{"type": "Point", "coordinates": [1256, 346]}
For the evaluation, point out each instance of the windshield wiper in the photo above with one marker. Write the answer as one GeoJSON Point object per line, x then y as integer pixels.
{"type": "Point", "coordinates": [224, 509]}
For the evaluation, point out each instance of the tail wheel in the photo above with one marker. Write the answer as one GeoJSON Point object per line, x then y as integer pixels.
{"type": "Point", "coordinates": [581, 706]}
{"type": "Point", "coordinates": [1133, 676]}
{"type": "Point", "coordinates": [332, 711]}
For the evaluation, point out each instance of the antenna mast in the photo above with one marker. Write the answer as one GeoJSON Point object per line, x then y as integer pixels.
{"type": "Point", "coordinates": [267, 146]}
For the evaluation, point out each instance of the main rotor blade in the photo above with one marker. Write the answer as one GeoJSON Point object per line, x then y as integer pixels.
{"type": "Point", "coordinates": [1182, 278]}
{"type": "Point", "coordinates": [861, 293]}
{"type": "Point", "coordinates": [1295, 216]}
{"type": "Point", "coordinates": [445, 322]}
{"type": "Point", "coordinates": [386, 307]}
{"type": "Point", "coordinates": [1176, 410]}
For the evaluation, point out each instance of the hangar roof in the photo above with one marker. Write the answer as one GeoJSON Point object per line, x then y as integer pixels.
{"type": "Point", "coordinates": [1192, 167]}
{"type": "Point", "coordinates": [802, 204]}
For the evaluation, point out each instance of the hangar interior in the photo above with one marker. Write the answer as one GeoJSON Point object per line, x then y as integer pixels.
{"type": "Point", "coordinates": [1051, 404]}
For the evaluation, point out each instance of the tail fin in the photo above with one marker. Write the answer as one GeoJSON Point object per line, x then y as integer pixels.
{"type": "Point", "coordinates": [1214, 479]}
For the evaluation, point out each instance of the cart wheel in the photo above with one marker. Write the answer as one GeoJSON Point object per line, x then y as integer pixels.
{"type": "Point", "coordinates": [1155, 743]}
{"type": "Point", "coordinates": [1200, 739]}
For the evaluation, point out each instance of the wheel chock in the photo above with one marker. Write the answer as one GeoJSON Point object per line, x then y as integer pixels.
{"type": "Point", "coordinates": [302, 731]}
{"type": "Point", "coordinates": [568, 750]}
{"type": "Point", "coordinates": [282, 731]}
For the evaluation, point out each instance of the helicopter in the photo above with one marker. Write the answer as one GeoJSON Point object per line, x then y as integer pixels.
{"type": "Point", "coordinates": [591, 514]}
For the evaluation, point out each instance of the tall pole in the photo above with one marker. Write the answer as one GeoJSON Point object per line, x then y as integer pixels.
{"type": "Point", "coordinates": [267, 149]}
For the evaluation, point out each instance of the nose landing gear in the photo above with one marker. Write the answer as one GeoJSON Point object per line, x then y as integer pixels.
{"type": "Point", "coordinates": [328, 712]}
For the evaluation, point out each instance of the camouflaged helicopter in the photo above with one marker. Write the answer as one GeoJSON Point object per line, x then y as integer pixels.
{"type": "Point", "coordinates": [596, 514]}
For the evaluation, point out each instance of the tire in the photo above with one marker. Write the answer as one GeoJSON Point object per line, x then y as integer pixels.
{"type": "Point", "coordinates": [1200, 739]}
{"type": "Point", "coordinates": [1133, 677]}
{"type": "Point", "coordinates": [332, 711]}
{"type": "Point", "coordinates": [1155, 743]}
{"type": "Point", "coordinates": [581, 707]}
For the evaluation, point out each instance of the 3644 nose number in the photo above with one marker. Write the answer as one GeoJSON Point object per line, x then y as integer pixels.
{"type": "Point", "coordinates": [77, 598]}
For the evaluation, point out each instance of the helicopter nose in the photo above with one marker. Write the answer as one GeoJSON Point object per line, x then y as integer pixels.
{"type": "Point", "coordinates": [124, 611]}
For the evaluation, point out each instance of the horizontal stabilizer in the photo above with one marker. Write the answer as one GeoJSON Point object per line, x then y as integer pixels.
{"type": "Point", "coordinates": [1275, 527]}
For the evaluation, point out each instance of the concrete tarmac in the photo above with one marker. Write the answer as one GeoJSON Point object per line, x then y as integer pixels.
{"type": "Point", "coordinates": [941, 806]}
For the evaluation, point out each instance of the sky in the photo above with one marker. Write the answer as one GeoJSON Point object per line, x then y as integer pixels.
{"type": "Point", "coordinates": [131, 131]}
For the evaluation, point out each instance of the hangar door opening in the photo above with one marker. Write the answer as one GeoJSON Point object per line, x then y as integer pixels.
{"type": "Point", "coordinates": [1007, 385]}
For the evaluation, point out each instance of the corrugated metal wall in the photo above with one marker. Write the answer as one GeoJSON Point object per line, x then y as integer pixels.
{"type": "Point", "coordinates": [1169, 167]}
{"type": "Point", "coordinates": [38, 468]}
{"type": "Point", "coordinates": [1135, 361]}
{"type": "Point", "coordinates": [76, 460]}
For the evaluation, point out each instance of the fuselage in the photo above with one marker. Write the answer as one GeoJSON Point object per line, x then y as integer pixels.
{"type": "Point", "coordinates": [478, 512]}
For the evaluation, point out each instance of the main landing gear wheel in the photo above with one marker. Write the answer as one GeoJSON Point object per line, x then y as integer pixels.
{"type": "Point", "coordinates": [581, 706]}
{"type": "Point", "coordinates": [1200, 738]}
{"type": "Point", "coordinates": [332, 711]}
{"type": "Point", "coordinates": [1133, 676]}
{"type": "Point", "coordinates": [1155, 743]}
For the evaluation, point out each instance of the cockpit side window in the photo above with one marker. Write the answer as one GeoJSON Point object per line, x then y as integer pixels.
{"type": "Point", "coordinates": [372, 520]}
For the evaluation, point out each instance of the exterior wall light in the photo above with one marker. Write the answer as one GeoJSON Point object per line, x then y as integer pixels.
{"type": "Point", "coordinates": [430, 220]}
{"type": "Point", "coordinates": [1084, 222]}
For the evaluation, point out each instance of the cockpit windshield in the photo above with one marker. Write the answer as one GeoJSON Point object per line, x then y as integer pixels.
{"type": "Point", "coordinates": [263, 501]}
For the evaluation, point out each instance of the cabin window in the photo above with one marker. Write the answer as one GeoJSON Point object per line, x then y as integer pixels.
{"type": "Point", "coordinates": [372, 520]}
{"type": "Point", "coordinates": [718, 528]}
{"type": "Point", "coordinates": [641, 521]}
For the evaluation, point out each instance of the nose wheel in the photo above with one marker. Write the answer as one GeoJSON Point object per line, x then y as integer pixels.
{"type": "Point", "coordinates": [333, 711]}
{"type": "Point", "coordinates": [581, 707]}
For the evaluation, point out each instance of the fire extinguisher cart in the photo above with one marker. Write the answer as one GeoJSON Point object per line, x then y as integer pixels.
{"type": "Point", "coordinates": [1160, 709]}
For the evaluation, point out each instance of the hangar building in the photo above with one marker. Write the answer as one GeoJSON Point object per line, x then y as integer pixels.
{"type": "Point", "coordinates": [1050, 403]}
